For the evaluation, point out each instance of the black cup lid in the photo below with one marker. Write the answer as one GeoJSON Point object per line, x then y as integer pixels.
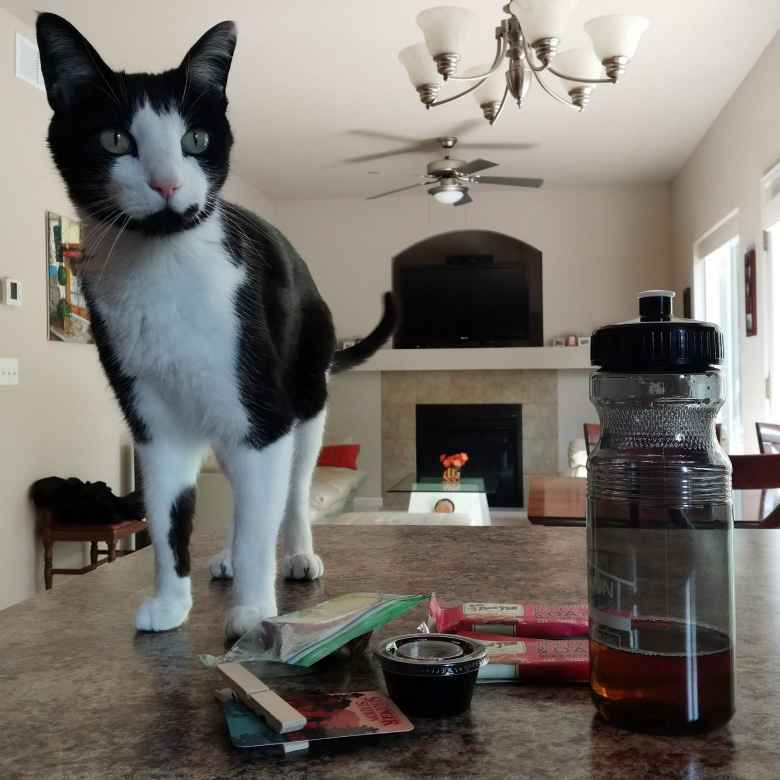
{"type": "Point", "coordinates": [431, 655]}
{"type": "Point", "coordinates": [657, 341]}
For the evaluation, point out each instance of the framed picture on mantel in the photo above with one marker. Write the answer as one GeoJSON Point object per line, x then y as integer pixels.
{"type": "Point", "coordinates": [751, 322]}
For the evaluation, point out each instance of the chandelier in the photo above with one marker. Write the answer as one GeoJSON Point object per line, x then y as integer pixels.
{"type": "Point", "coordinates": [529, 39]}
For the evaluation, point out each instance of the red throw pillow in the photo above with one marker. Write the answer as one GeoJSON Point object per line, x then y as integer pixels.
{"type": "Point", "coordinates": [341, 456]}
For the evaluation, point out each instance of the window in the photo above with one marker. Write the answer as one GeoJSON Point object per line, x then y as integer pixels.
{"type": "Point", "coordinates": [716, 288]}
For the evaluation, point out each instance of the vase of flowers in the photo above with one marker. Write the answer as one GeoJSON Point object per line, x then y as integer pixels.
{"type": "Point", "coordinates": [452, 465]}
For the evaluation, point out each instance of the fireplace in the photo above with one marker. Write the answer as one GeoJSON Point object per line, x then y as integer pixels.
{"type": "Point", "coordinates": [490, 433]}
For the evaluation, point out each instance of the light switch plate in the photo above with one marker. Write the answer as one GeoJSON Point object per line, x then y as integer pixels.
{"type": "Point", "coordinates": [11, 292]}
{"type": "Point", "coordinates": [9, 371]}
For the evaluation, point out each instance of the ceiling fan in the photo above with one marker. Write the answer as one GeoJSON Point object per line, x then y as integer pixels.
{"type": "Point", "coordinates": [451, 177]}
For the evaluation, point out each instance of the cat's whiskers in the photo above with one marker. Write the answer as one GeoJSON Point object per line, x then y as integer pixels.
{"type": "Point", "coordinates": [113, 246]}
{"type": "Point", "coordinates": [97, 240]}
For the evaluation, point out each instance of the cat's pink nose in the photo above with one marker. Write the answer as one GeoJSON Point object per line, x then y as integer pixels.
{"type": "Point", "coordinates": [166, 189]}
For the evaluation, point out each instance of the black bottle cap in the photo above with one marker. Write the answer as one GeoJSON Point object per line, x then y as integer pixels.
{"type": "Point", "coordinates": [657, 341]}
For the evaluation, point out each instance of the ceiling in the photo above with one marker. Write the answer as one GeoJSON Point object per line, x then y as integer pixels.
{"type": "Point", "coordinates": [309, 78]}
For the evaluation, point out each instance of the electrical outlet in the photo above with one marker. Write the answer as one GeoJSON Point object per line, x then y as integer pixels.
{"type": "Point", "coordinates": [9, 371]}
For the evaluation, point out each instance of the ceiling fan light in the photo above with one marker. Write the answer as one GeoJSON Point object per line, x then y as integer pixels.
{"type": "Point", "coordinates": [616, 35]}
{"type": "Point", "coordinates": [578, 62]}
{"type": "Point", "coordinates": [446, 28]}
{"type": "Point", "coordinates": [448, 196]}
{"type": "Point", "coordinates": [419, 65]}
{"type": "Point", "coordinates": [542, 19]}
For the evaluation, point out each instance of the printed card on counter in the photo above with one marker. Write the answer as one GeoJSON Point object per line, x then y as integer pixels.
{"type": "Point", "coordinates": [328, 716]}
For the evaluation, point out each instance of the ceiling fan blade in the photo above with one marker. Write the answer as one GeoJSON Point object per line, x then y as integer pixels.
{"type": "Point", "coordinates": [465, 200]}
{"type": "Point", "coordinates": [392, 192]}
{"type": "Point", "coordinates": [496, 145]}
{"type": "Point", "coordinates": [476, 165]}
{"type": "Point", "coordinates": [512, 181]}
{"type": "Point", "coordinates": [412, 145]}
{"type": "Point", "coordinates": [381, 155]}
{"type": "Point", "coordinates": [403, 139]}
{"type": "Point", "coordinates": [466, 126]}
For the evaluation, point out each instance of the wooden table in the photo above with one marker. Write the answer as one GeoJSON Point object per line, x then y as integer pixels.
{"type": "Point", "coordinates": [83, 696]}
{"type": "Point", "coordinates": [562, 501]}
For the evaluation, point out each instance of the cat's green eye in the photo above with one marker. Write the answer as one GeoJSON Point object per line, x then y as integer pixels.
{"type": "Point", "coordinates": [115, 141]}
{"type": "Point", "coordinates": [195, 142]}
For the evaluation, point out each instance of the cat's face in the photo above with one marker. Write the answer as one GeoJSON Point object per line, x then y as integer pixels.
{"type": "Point", "coordinates": [149, 152]}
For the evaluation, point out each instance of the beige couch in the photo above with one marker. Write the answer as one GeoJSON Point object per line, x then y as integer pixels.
{"type": "Point", "coordinates": [332, 492]}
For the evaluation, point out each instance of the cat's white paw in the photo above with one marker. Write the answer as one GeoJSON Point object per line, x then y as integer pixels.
{"type": "Point", "coordinates": [221, 566]}
{"type": "Point", "coordinates": [239, 620]}
{"type": "Point", "coordinates": [162, 613]}
{"type": "Point", "coordinates": [303, 566]}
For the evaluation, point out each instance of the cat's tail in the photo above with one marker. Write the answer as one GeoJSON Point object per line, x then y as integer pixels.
{"type": "Point", "coordinates": [344, 359]}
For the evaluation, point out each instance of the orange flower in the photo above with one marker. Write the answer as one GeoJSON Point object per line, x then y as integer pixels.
{"type": "Point", "coordinates": [458, 460]}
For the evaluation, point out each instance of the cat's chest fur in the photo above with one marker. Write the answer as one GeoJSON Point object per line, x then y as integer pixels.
{"type": "Point", "coordinates": [169, 308]}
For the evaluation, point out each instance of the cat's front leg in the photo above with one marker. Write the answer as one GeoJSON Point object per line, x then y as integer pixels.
{"type": "Point", "coordinates": [170, 468]}
{"type": "Point", "coordinates": [260, 480]}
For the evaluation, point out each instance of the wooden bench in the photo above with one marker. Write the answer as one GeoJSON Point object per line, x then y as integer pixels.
{"type": "Point", "coordinates": [109, 534]}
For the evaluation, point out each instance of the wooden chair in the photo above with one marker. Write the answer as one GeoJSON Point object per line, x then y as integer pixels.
{"type": "Point", "coordinates": [758, 472]}
{"type": "Point", "coordinates": [592, 432]}
{"type": "Point", "coordinates": [109, 534]}
{"type": "Point", "coordinates": [768, 438]}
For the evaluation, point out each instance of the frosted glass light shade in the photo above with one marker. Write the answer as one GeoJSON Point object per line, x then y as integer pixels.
{"type": "Point", "coordinates": [542, 18]}
{"type": "Point", "coordinates": [419, 64]}
{"type": "Point", "coordinates": [578, 62]}
{"type": "Point", "coordinates": [448, 197]}
{"type": "Point", "coordinates": [493, 89]}
{"type": "Point", "coordinates": [446, 28]}
{"type": "Point", "coordinates": [616, 35]}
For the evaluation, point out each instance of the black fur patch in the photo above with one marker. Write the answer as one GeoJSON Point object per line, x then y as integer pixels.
{"type": "Point", "coordinates": [287, 338]}
{"type": "Point", "coordinates": [182, 512]}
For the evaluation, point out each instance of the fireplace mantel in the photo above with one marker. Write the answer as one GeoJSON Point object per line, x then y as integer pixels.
{"type": "Point", "coordinates": [480, 359]}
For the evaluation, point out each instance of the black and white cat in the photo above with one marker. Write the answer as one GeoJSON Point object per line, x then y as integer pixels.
{"type": "Point", "coordinates": [208, 324]}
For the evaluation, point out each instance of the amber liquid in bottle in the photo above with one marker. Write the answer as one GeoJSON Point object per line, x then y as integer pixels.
{"type": "Point", "coordinates": [681, 680]}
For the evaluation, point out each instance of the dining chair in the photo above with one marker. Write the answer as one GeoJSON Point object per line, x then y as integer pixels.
{"type": "Point", "coordinates": [592, 432]}
{"type": "Point", "coordinates": [758, 472]}
{"type": "Point", "coordinates": [768, 438]}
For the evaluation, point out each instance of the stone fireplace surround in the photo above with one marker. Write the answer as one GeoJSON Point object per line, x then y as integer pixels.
{"type": "Point", "coordinates": [536, 390]}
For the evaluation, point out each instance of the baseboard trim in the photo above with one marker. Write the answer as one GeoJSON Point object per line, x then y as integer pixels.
{"type": "Point", "coordinates": [367, 503]}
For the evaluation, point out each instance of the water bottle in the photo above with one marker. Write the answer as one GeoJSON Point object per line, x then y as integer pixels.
{"type": "Point", "coordinates": [659, 530]}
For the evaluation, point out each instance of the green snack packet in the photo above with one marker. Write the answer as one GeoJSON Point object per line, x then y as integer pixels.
{"type": "Point", "coordinates": [304, 637]}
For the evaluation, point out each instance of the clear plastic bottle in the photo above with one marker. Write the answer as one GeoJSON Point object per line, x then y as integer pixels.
{"type": "Point", "coordinates": [660, 527]}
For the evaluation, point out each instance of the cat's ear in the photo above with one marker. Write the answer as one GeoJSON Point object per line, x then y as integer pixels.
{"type": "Point", "coordinates": [71, 66]}
{"type": "Point", "coordinates": [208, 62]}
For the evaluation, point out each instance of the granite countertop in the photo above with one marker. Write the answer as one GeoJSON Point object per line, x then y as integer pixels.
{"type": "Point", "coordinates": [83, 696]}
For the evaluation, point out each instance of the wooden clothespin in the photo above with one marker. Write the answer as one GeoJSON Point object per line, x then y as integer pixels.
{"type": "Point", "coordinates": [255, 694]}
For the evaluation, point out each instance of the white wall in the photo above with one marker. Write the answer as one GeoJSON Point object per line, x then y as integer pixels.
{"type": "Point", "coordinates": [62, 418]}
{"type": "Point", "coordinates": [724, 174]}
{"type": "Point", "coordinates": [601, 245]}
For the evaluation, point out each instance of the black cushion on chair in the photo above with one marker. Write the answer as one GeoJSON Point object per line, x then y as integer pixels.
{"type": "Point", "coordinates": [73, 502]}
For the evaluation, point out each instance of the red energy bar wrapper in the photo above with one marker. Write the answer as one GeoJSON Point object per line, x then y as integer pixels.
{"type": "Point", "coordinates": [541, 621]}
{"type": "Point", "coordinates": [533, 660]}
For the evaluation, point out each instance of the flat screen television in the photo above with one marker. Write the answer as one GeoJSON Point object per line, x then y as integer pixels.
{"type": "Point", "coordinates": [468, 302]}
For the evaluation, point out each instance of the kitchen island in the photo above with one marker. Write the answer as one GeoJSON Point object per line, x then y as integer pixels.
{"type": "Point", "coordinates": [82, 695]}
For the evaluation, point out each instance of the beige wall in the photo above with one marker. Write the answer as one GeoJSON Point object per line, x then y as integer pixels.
{"type": "Point", "coordinates": [725, 174]}
{"type": "Point", "coordinates": [601, 245]}
{"type": "Point", "coordinates": [61, 419]}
